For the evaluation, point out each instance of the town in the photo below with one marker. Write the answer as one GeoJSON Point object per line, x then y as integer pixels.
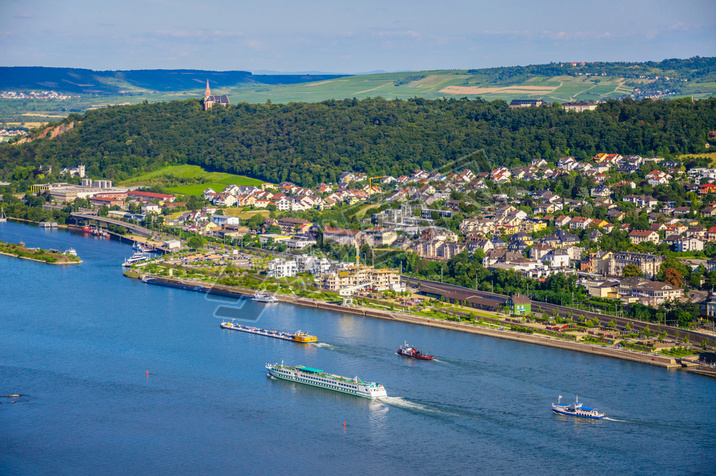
{"type": "Point", "coordinates": [33, 95]}
{"type": "Point", "coordinates": [630, 229]}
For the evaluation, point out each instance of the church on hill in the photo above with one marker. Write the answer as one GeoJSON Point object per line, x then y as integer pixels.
{"type": "Point", "coordinates": [210, 100]}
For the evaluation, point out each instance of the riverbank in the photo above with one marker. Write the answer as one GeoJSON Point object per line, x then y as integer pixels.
{"type": "Point", "coordinates": [624, 354]}
{"type": "Point", "coordinates": [39, 255]}
{"type": "Point", "coordinates": [23, 220]}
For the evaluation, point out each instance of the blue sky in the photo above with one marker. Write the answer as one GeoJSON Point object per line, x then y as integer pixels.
{"type": "Point", "coordinates": [349, 37]}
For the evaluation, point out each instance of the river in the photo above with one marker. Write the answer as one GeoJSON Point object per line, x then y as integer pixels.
{"type": "Point", "coordinates": [118, 377]}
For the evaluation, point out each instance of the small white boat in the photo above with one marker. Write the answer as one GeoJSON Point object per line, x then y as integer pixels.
{"type": "Point", "coordinates": [136, 258]}
{"type": "Point", "coordinates": [70, 252]}
{"type": "Point", "coordinates": [3, 218]}
{"type": "Point", "coordinates": [576, 409]}
{"type": "Point", "coordinates": [265, 298]}
{"type": "Point", "coordinates": [140, 247]}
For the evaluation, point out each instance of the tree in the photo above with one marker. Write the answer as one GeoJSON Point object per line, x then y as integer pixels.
{"type": "Point", "coordinates": [673, 278]}
{"type": "Point", "coordinates": [632, 271]}
{"type": "Point", "coordinates": [255, 222]}
{"type": "Point", "coordinates": [196, 242]}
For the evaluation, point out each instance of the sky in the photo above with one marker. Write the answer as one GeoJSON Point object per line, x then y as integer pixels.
{"type": "Point", "coordinates": [349, 37]}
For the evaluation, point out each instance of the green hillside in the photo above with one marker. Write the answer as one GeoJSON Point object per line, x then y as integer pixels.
{"type": "Point", "coordinates": [189, 179]}
{"type": "Point", "coordinates": [440, 84]}
{"type": "Point", "coordinates": [559, 82]}
{"type": "Point", "coordinates": [309, 143]}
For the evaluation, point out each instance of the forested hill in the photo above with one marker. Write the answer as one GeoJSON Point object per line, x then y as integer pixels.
{"type": "Point", "coordinates": [308, 143]}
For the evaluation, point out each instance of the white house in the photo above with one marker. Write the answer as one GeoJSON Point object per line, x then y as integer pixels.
{"type": "Point", "coordinates": [151, 208]}
{"type": "Point", "coordinates": [282, 268]}
{"type": "Point", "coordinates": [689, 244]}
{"type": "Point", "coordinates": [557, 258]}
{"type": "Point", "coordinates": [224, 220]}
{"type": "Point", "coordinates": [172, 244]}
{"type": "Point", "coordinates": [299, 243]}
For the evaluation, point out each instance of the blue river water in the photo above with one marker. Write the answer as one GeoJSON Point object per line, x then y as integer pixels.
{"type": "Point", "coordinates": [76, 342]}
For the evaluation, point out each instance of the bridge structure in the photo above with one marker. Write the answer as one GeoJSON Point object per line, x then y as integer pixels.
{"type": "Point", "coordinates": [88, 216]}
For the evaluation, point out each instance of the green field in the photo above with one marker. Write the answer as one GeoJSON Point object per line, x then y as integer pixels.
{"type": "Point", "coordinates": [190, 179]}
{"type": "Point", "coordinates": [433, 85]}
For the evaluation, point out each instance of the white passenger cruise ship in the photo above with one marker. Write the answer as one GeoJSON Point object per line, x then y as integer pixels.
{"type": "Point", "coordinates": [319, 378]}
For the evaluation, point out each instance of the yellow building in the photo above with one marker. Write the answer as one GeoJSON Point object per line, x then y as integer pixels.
{"type": "Point", "coordinates": [209, 227]}
{"type": "Point", "coordinates": [530, 226]}
{"type": "Point", "coordinates": [539, 225]}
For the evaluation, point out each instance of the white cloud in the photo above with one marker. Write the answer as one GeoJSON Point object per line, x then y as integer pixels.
{"type": "Point", "coordinates": [397, 33]}
{"type": "Point", "coordinates": [256, 45]}
{"type": "Point", "coordinates": [576, 35]}
{"type": "Point", "coordinates": [681, 26]}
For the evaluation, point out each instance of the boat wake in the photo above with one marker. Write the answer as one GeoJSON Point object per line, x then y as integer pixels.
{"type": "Point", "coordinates": [323, 344]}
{"type": "Point", "coordinates": [614, 419]}
{"type": "Point", "coordinates": [406, 404]}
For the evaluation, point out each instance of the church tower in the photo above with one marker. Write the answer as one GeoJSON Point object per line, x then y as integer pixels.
{"type": "Point", "coordinates": [211, 100]}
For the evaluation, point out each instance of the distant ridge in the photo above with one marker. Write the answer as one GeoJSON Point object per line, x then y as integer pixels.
{"type": "Point", "coordinates": [87, 81]}
{"type": "Point", "coordinates": [561, 82]}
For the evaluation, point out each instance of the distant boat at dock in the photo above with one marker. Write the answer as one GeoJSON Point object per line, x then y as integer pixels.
{"type": "Point", "coordinates": [143, 248]}
{"type": "Point", "coordinates": [3, 218]}
{"type": "Point", "coordinates": [265, 298]}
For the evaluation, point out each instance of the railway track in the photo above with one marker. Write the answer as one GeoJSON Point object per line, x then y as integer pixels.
{"type": "Point", "coordinates": [539, 307]}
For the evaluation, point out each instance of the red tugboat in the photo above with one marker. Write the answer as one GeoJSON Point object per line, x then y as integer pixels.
{"type": "Point", "coordinates": [407, 351]}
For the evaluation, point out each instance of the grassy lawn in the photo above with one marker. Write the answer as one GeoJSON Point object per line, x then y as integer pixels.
{"type": "Point", "coordinates": [707, 155]}
{"type": "Point", "coordinates": [197, 189]}
{"type": "Point", "coordinates": [216, 180]}
{"type": "Point", "coordinates": [677, 352]}
{"type": "Point", "coordinates": [362, 210]}
{"type": "Point", "coordinates": [238, 212]}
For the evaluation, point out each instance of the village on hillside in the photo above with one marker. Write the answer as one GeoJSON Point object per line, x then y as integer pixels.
{"type": "Point", "coordinates": [612, 227]}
